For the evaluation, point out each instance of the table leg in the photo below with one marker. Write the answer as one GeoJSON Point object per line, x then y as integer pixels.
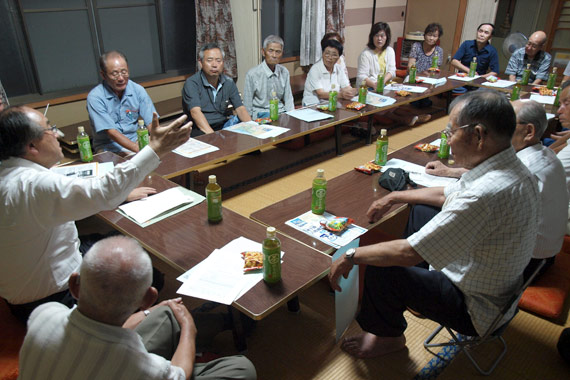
{"type": "Point", "coordinates": [293, 305]}
{"type": "Point", "coordinates": [337, 138]}
{"type": "Point", "coordinates": [238, 330]}
{"type": "Point", "coordinates": [369, 131]}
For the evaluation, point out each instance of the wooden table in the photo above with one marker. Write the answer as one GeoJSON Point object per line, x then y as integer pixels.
{"type": "Point", "coordinates": [350, 195]}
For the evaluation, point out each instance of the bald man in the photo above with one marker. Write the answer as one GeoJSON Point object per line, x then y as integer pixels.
{"type": "Point", "coordinates": [532, 53]}
{"type": "Point", "coordinates": [96, 340]}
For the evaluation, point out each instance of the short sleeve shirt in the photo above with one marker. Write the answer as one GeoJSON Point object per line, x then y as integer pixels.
{"type": "Point", "coordinates": [423, 61]}
{"type": "Point", "coordinates": [538, 65]}
{"type": "Point", "coordinates": [487, 58]}
{"type": "Point", "coordinates": [320, 78]}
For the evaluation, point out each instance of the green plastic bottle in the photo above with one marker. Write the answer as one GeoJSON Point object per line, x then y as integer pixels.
{"type": "Point", "coordinates": [319, 193]}
{"type": "Point", "coordinates": [382, 148]}
{"type": "Point", "coordinates": [214, 200]}
{"type": "Point", "coordinates": [434, 60]}
{"type": "Point", "coordinates": [333, 95]}
{"type": "Point", "coordinates": [142, 135]}
{"type": "Point", "coordinates": [473, 67]}
{"type": "Point", "coordinates": [525, 75]}
{"type": "Point", "coordinates": [84, 145]}
{"type": "Point", "coordinates": [557, 98]}
{"type": "Point", "coordinates": [551, 79]}
{"type": "Point", "coordinates": [380, 84]}
{"type": "Point", "coordinates": [362, 93]}
{"type": "Point", "coordinates": [443, 147]}
{"type": "Point", "coordinates": [274, 107]}
{"type": "Point", "coordinates": [271, 249]}
{"type": "Point", "coordinates": [516, 94]}
{"type": "Point", "coordinates": [412, 76]}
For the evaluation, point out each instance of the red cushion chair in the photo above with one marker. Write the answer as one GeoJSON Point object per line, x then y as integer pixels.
{"type": "Point", "coordinates": [11, 339]}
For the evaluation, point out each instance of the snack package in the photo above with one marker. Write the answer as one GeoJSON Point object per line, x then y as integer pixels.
{"type": "Point", "coordinates": [461, 74]}
{"type": "Point", "coordinates": [419, 80]}
{"type": "Point", "coordinates": [252, 260]}
{"type": "Point", "coordinates": [337, 224]}
{"type": "Point", "coordinates": [368, 168]}
{"type": "Point", "coordinates": [544, 91]}
{"type": "Point", "coordinates": [492, 78]}
{"type": "Point", "coordinates": [427, 147]}
{"type": "Point", "coordinates": [355, 106]}
{"type": "Point", "coordinates": [435, 69]}
{"type": "Point", "coordinates": [263, 120]}
{"type": "Point", "coordinates": [323, 107]}
{"type": "Point", "coordinates": [402, 93]}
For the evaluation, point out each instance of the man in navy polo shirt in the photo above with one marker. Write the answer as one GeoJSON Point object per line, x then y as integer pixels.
{"type": "Point", "coordinates": [115, 106]}
{"type": "Point", "coordinates": [487, 57]}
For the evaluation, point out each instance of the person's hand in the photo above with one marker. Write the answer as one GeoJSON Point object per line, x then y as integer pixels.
{"type": "Point", "coordinates": [347, 92]}
{"type": "Point", "coordinates": [182, 315]}
{"type": "Point", "coordinates": [378, 208]}
{"type": "Point", "coordinates": [437, 168]}
{"type": "Point", "coordinates": [341, 266]}
{"type": "Point", "coordinates": [135, 319]}
{"type": "Point", "coordinates": [562, 135]}
{"type": "Point", "coordinates": [139, 193]}
{"type": "Point", "coordinates": [164, 139]}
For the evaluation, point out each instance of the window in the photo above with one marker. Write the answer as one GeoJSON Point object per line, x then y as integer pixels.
{"type": "Point", "coordinates": [282, 18]}
{"type": "Point", "coordinates": [55, 44]}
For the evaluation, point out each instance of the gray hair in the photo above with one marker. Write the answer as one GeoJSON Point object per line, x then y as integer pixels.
{"type": "Point", "coordinates": [531, 112]}
{"type": "Point", "coordinates": [115, 275]}
{"type": "Point", "coordinates": [113, 53]}
{"type": "Point", "coordinates": [210, 46]}
{"type": "Point", "coordinates": [273, 39]}
{"type": "Point", "coordinates": [17, 131]}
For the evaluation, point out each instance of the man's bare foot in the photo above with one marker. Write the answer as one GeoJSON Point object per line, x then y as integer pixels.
{"type": "Point", "coordinates": [367, 345]}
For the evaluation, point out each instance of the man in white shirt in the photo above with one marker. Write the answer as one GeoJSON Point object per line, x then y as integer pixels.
{"type": "Point", "coordinates": [103, 339]}
{"type": "Point", "coordinates": [548, 170]}
{"type": "Point", "coordinates": [39, 242]}
{"type": "Point", "coordinates": [478, 245]}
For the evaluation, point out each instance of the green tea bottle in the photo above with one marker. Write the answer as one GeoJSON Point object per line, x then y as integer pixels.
{"type": "Point", "coordinates": [443, 147]}
{"type": "Point", "coordinates": [473, 67]}
{"type": "Point", "coordinates": [142, 135]}
{"type": "Point", "coordinates": [434, 60]}
{"type": "Point", "coordinates": [525, 75]}
{"type": "Point", "coordinates": [362, 93]}
{"type": "Point", "coordinates": [551, 79]}
{"type": "Point", "coordinates": [557, 98]}
{"type": "Point", "coordinates": [84, 145]}
{"type": "Point", "coordinates": [516, 94]}
{"type": "Point", "coordinates": [271, 249]}
{"type": "Point", "coordinates": [274, 107]}
{"type": "Point", "coordinates": [380, 83]}
{"type": "Point", "coordinates": [382, 148]}
{"type": "Point", "coordinates": [412, 76]}
{"type": "Point", "coordinates": [214, 200]}
{"type": "Point", "coordinates": [333, 94]}
{"type": "Point", "coordinates": [319, 193]}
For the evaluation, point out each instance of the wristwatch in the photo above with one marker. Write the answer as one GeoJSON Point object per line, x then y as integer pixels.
{"type": "Point", "coordinates": [350, 255]}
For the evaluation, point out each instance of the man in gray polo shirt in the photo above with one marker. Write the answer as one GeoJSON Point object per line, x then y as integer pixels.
{"type": "Point", "coordinates": [208, 93]}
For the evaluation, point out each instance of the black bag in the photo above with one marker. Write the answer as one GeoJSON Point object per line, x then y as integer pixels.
{"type": "Point", "coordinates": [395, 179]}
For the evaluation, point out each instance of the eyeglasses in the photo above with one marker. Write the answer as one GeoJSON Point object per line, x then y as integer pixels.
{"type": "Point", "coordinates": [51, 129]}
{"type": "Point", "coordinates": [533, 45]}
{"type": "Point", "coordinates": [449, 132]}
{"type": "Point", "coordinates": [116, 74]}
{"type": "Point", "coordinates": [331, 55]}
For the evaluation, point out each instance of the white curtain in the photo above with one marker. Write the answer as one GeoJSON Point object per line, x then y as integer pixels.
{"type": "Point", "coordinates": [312, 30]}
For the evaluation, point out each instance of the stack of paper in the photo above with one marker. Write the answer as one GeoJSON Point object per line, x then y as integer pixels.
{"type": "Point", "coordinates": [220, 277]}
{"type": "Point", "coordinates": [376, 100]}
{"type": "Point", "coordinates": [88, 170]}
{"type": "Point", "coordinates": [398, 87]}
{"type": "Point", "coordinates": [194, 148]}
{"type": "Point", "coordinates": [309, 115]}
{"type": "Point", "coordinates": [434, 81]}
{"type": "Point", "coordinates": [463, 79]}
{"type": "Point", "coordinates": [501, 83]}
{"type": "Point", "coordinates": [152, 209]}
{"type": "Point", "coordinates": [252, 128]}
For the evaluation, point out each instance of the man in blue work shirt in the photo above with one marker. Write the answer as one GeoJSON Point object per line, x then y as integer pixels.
{"type": "Point", "coordinates": [115, 106]}
{"type": "Point", "coordinates": [487, 57]}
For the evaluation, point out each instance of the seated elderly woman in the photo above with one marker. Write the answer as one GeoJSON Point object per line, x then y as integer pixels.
{"type": "Point", "coordinates": [378, 57]}
{"type": "Point", "coordinates": [325, 73]}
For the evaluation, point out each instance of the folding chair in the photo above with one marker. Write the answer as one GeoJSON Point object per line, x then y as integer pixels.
{"type": "Point", "coordinates": [468, 343]}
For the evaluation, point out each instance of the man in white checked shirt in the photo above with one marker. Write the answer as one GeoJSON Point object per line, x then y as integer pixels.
{"type": "Point", "coordinates": [102, 339]}
{"type": "Point", "coordinates": [477, 246]}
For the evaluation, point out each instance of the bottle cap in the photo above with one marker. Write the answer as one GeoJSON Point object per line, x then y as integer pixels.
{"type": "Point", "coordinates": [474, 59]}
{"type": "Point", "coordinates": [80, 129]}
{"type": "Point", "coordinates": [274, 94]}
{"type": "Point", "coordinates": [363, 83]}
{"type": "Point", "coordinates": [320, 171]}
{"type": "Point", "coordinates": [270, 231]}
{"type": "Point", "coordinates": [554, 69]}
{"type": "Point", "coordinates": [212, 179]}
{"type": "Point", "coordinates": [141, 123]}
{"type": "Point", "coordinates": [383, 131]}
{"type": "Point", "coordinates": [332, 86]}
{"type": "Point", "coordinates": [528, 65]}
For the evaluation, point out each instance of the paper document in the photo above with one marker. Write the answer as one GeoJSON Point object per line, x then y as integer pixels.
{"type": "Point", "coordinates": [220, 277]}
{"type": "Point", "coordinates": [550, 116]}
{"type": "Point", "coordinates": [309, 115]}
{"type": "Point", "coordinates": [146, 209]}
{"type": "Point", "coordinates": [376, 100]}
{"type": "Point", "coordinates": [434, 81]}
{"type": "Point", "coordinates": [463, 79]}
{"type": "Point", "coordinates": [87, 170]}
{"type": "Point", "coordinates": [194, 148]}
{"type": "Point", "coordinates": [310, 224]}
{"type": "Point", "coordinates": [544, 99]}
{"type": "Point", "coordinates": [251, 128]}
{"type": "Point", "coordinates": [418, 173]}
{"type": "Point", "coordinates": [500, 83]}
{"type": "Point", "coordinates": [397, 87]}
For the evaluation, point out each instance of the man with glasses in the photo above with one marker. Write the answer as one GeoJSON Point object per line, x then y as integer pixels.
{"type": "Point", "coordinates": [39, 241]}
{"type": "Point", "coordinates": [477, 246]}
{"type": "Point", "coordinates": [480, 48]}
{"type": "Point", "coordinates": [116, 105]}
{"type": "Point", "coordinates": [207, 94]}
{"type": "Point", "coordinates": [532, 54]}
